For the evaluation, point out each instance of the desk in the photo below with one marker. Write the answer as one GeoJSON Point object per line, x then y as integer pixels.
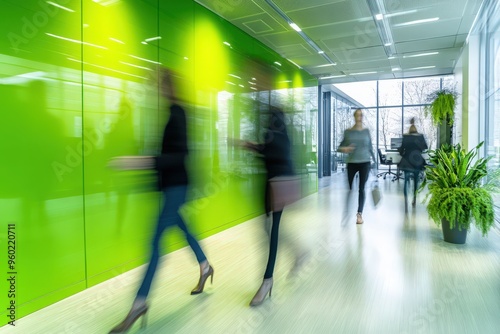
{"type": "Point", "coordinates": [395, 157]}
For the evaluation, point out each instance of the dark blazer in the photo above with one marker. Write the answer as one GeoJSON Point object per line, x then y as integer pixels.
{"type": "Point", "coordinates": [411, 152]}
{"type": "Point", "coordinates": [171, 164]}
{"type": "Point", "coordinates": [276, 149]}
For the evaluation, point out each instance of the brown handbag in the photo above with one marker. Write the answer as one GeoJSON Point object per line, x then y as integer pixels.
{"type": "Point", "coordinates": [284, 190]}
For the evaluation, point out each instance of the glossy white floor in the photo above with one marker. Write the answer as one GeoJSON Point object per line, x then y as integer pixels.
{"type": "Point", "coordinates": [393, 274]}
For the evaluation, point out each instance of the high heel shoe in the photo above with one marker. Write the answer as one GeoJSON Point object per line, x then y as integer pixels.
{"type": "Point", "coordinates": [203, 278]}
{"type": "Point", "coordinates": [131, 318]}
{"type": "Point", "coordinates": [267, 286]}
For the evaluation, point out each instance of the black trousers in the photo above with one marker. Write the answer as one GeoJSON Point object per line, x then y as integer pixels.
{"type": "Point", "coordinates": [363, 169]}
{"type": "Point", "coordinates": [273, 244]}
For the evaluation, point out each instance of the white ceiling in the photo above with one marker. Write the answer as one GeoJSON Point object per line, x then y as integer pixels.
{"type": "Point", "coordinates": [346, 31]}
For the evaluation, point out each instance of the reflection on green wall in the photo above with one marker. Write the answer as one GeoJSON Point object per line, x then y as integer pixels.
{"type": "Point", "coordinates": [79, 86]}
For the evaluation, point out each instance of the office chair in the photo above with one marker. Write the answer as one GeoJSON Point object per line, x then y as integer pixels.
{"type": "Point", "coordinates": [389, 163]}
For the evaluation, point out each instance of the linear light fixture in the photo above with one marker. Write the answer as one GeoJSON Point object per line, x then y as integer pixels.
{"type": "Point", "coordinates": [234, 76]}
{"type": "Point", "coordinates": [144, 59]}
{"type": "Point", "coordinates": [325, 65]}
{"type": "Point", "coordinates": [421, 67]}
{"type": "Point", "coordinates": [422, 54]}
{"type": "Point", "coordinates": [76, 41]}
{"type": "Point", "coordinates": [300, 32]}
{"type": "Point", "coordinates": [294, 63]}
{"type": "Point", "coordinates": [141, 67]}
{"type": "Point", "coordinates": [416, 22]}
{"type": "Point", "coordinates": [106, 3]}
{"type": "Point", "coordinates": [363, 73]}
{"type": "Point", "coordinates": [332, 77]}
{"type": "Point", "coordinates": [152, 38]}
{"type": "Point", "coordinates": [295, 26]}
{"type": "Point", "coordinates": [59, 6]}
{"type": "Point", "coordinates": [105, 68]}
{"type": "Point", "coordinates": [116, 40]}
{"type": "Point", "coordinates": [377, 9]}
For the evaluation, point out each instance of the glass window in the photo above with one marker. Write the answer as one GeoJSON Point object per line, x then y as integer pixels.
{"type": "Point", "coordinates": [364, 93]}
{"type": "Point", "coordinates": [390, 93]}
{"type": "Point", "coordinates": [389, 126]}
{"type": "Point", "coordinates": [416, 90]}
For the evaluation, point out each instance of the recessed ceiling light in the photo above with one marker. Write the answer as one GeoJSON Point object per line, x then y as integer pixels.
{"type": "Point", "coordinates": [321, 51]}
{"type": "Point", "coordinates": [388, 44]}
{"type": "Point", "coordinates": [277, 63]}
{"type": "Point", "coordinates": [326, 65]}
{"type": "Point", "coordinates": [379, 17]}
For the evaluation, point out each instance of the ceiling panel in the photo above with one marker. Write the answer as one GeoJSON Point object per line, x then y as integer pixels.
{"type": "Point", "coordinates": [245, 22]}
{"type": "Point", "coordinates": [258, 26]}
{"type": "Point", "coordinates": [282, 39]}
{"type": "Point", "coordinates": [231, 10]}
{"type": "Point", "coordinates": [346, 31]}
{"type": "Point", "coordinates": [426, 31]}
{"type": "Point", "coordinates": [426, 44]}
{"type": "Point", "coordinates": [342, 29]}
{"type": "Point", "coordinates": [288, 5]}
{"type": "Point", "coordinates": [321, 15]}
{"type": "Point", "coordinates": [296, 51]}
{"type": "Point", "coordinates": [345, 45]}
{"type": "Point", "coordinates": [361, 55]}
{"type": "Point", "coordinates": [419, 4]}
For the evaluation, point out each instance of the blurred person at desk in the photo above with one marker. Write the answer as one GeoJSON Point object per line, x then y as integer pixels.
{"type": "Point", "coordinates": [412, 162]}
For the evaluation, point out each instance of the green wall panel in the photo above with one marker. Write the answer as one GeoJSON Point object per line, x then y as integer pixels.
{"type": "Point", "coordinates": [79, 87]}
{"type": "Point", "coordinates": [40, 174]}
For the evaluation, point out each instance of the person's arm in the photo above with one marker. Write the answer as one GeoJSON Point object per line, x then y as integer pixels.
{"type": "Point", "coordinates": [345, 146]}
{"type": "Point", "coordinates": [371, 147]}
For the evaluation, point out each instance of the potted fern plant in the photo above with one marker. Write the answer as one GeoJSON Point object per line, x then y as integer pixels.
{"type": "Point", "coordinates": [457, 196]}
{"type": "Point", "coordinates": [442, 112]}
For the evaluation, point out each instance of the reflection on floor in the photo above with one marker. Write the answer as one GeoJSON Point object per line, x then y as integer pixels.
{"type": "Point", "coordinates": [393, 274]}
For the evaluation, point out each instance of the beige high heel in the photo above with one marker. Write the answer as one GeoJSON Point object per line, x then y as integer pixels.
{"type": "Point", "coordinates": [203, 279]}
{"type": "Point", "coordinates": [266, 287]}
{"type": "Point", "coordinates": [131, 318]}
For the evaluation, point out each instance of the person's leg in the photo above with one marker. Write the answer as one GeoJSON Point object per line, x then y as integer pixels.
{"type": "Point", "coordinates": [405, 187]}
{"type": "Point", "coordinates": [351, 171]}
{"type": "Point", "coordinates": [416, 176]}
{"type": "Point", "coordinates": [364, 171]}
{"type": "Point", "coordinates": [267, 283]}
{"type": "Point", "coordinates": [273, 245]}
{"type": "Point", "coordinates": [140, 307]}
{"type": "Point", "coordinates": [168, 217]}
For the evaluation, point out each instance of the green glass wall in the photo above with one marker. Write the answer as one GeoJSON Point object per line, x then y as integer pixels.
{"type": "Point", "coordinates": [78, 85]}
